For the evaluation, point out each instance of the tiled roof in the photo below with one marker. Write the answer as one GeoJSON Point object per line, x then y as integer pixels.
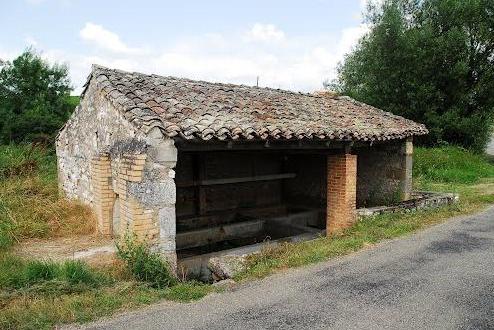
{"type": "Point", "coordinates": [203, 110]}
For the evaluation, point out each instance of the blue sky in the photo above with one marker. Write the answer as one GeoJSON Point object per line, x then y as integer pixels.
{"type": "Point", "coordinates": [293, 45]}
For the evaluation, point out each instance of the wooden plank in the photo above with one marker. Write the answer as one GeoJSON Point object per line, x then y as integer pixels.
{"type": "Point", "coordinates": [248, 179]}
{"type": "Point", "coordinates": [212, 182]}
{"type": "Point", "coordinates": [200, 190]}
{"type": "Point", "coordinates": [306, 145]}
{"type": "Point", "coordinates": [261, 145]}
{"type": "Point", "coordinates": [198, 175]}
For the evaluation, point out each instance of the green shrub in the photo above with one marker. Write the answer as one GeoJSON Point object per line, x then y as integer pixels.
{"type": "Point", "coordinates": [450, 165]}
{"type": "Point", "coordinates": [34, 98]}
{"type": "Point", "coordinates": [78, 272]}
{"type": "Point", "coordinates": [144, 265]}
{"type": "Point", "coordinates": [422, 59]}
{"type": "Point", "coordinates": [47, 276]}
{"type": "Point", "coordinates": [39, 271]}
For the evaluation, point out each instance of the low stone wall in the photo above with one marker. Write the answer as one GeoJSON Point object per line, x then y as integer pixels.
{"type": "Point", "coordinates": [419, 200]}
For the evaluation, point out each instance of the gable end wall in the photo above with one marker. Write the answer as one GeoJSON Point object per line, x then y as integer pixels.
{"type": "Point", "coordinates": [125, 176]}
{"type": "Point", "coordinates": [95, 127]}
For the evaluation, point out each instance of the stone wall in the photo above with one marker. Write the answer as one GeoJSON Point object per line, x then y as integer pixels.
{"type": "Point", "coordinates": [384, 174]}
{"type": "Point", "coordinates": [126, 176]}
{"type": "Point", "coordinates": [94, 127]}
{"type": "Point", "coordinates": [418, 200]}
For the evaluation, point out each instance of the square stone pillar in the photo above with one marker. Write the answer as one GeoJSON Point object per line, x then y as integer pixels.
{"type": "Point", "coordinates": [341, 192]}
{"type": "Point", "coordinates": [162, 162]}
{"type": "Point", "coordinates": [407, 169]}
{"type": "Point", "coordinates": [147, 197]}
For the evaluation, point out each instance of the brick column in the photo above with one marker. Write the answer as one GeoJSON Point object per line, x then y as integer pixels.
{"type": "Point", "coordinates": [103, 195]}
{"type": "Point", "coordinates": [134, 215]}
{"type": "Point", "coordinates": [341, 192]}
{"type": "Point", "coordinates": [407, 169]}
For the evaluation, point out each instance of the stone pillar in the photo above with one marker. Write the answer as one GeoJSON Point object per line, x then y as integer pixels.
{"type": "Point", "coordinates": [163, 159]}
{"type": "Point", "coordinates": [341, 192]}
{"type": "Point", "coordinates": [407, 165]}
{"type": "Point", "coordinates": [147, 196]}
{"type": "Point", "coordinates": [103, 195]}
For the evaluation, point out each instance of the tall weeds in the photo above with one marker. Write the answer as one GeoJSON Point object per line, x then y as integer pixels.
{"type": "Point", "coordinates": [30, 206]}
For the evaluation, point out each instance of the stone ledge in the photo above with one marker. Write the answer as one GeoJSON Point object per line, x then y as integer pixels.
{"type": "Point", "coordinates": [420, 200]}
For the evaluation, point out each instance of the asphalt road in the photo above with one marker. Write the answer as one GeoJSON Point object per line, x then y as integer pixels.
{"type": "Point", "coordinates": [440, 278]}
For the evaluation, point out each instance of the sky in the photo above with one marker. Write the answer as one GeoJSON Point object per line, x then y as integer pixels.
{"type": "Point", "coordinates": [294, 45]}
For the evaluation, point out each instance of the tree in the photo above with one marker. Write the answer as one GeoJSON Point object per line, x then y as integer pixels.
{"type": "Point", "coordinates": [34, 98]}
{"type": "Point", "coordinates": [431, 61]}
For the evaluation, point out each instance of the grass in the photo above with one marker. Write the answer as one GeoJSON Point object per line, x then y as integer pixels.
{"type": "Point", "coordinates": [30, 206]}
{"type": "Point", "coordinates": [451, 165]}
{"type": "Point", "coordinates": [447, 169]}
{"type": "Point", "coordinates": [42, 294]}
{"type": "Point", "coordinates": [18, 275]}
{"type": "Point", "coordinates": [143, 264]}
{"type": "Point", "coordinates": [37, 294]}
{"type": "Point", "coordinates": [365, 233]}
{"type": "Point", "coordinates": [46, 310]}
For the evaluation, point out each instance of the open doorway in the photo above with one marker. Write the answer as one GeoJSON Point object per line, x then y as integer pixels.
{"type": "Point", "coordinates": [229, 199]}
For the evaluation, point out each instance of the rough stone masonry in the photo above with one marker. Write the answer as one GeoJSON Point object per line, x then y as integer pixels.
{"type": "Point", "coordinates": [125, 175]}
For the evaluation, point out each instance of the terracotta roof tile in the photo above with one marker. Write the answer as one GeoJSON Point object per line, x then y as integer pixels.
{"type": "Point", "coordinates": [202, 110]}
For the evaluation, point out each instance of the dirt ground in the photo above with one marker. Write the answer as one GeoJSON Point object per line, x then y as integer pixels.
{"type": "Point", "coordinates": [90, 248]}
{"type": "Point", "coordinates": [485, 188]}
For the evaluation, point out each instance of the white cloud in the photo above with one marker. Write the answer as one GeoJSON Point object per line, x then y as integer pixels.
{"type": "Point", "coordinates": [265, 33]}
{"type": "Point", "coordinates": [8, 54]}
{"type": "Point", "coordinates": [299, 63]}
{"type": "Point", "coordinates": [197, 66]}
{"type": "Point", "coordinates": [350, 37]}
{"type": "Point", "coordinates": [105, 39]}
{"type": "Point", "coordinates": [296, 63]}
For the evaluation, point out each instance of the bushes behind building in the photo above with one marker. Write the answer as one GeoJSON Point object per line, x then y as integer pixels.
{"type": "Point", "coordinates": [35, 99]}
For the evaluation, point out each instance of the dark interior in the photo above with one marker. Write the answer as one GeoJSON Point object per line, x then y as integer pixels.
{"type": "Point", "coordinates": [216, 190]}
{"type": "Point", "coordinates": [220, 188]}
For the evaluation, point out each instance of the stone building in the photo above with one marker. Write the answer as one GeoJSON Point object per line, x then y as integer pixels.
{"type": "Point", "coordinates": [195, 167]}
